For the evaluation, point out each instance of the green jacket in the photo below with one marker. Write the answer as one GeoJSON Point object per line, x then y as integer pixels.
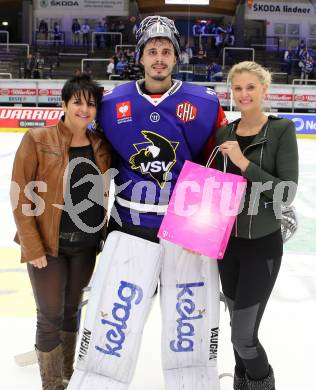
{"type": "Point", "coordinates": [273, 159]}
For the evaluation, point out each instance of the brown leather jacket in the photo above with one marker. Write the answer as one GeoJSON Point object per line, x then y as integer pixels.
{"type": "Point", "coordinates": [43, 156]}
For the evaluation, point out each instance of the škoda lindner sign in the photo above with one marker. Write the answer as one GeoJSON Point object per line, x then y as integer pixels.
{"type": "Point", "coordinates": [264, 9]}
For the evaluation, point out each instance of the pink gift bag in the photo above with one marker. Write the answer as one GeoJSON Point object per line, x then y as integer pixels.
{"type": "Point", "coordinates": [202, 209]}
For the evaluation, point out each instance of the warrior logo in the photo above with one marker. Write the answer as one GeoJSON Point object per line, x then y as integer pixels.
{"type": "Point", "coordinates": [186, 112]}
{"type": "Point", "coordinates": [155, 157]}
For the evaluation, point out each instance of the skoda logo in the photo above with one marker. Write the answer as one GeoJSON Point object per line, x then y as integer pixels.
{"type": "Point", "coordinates": [154, 117]}
{"type": "Point", "coordinates": [44, 3]}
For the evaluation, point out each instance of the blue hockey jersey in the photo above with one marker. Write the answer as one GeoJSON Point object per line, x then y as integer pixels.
{"type": "Point", "coordinates": [152, 139]}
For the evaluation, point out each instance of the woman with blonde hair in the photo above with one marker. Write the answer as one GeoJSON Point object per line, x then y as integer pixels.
{"type": "Point", "coordinates": [264, 150]}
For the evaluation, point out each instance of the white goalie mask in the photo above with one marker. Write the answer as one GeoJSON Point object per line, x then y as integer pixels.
{"type": "Point", "coordinates": [157, 27]}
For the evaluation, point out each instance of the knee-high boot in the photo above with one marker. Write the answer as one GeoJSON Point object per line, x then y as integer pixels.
{"type": "Point", "coordinates": [50, 364]}
{"type": "Point", "coordinates": [69, 340]}
{"type": "Point", "coordinates": [240, 382]}
{"type": "Point", "coordinates": [267, 383]}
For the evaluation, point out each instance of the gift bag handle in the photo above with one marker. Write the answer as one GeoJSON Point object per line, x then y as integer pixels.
{"type": "Point", "coordinates": [212, 157]}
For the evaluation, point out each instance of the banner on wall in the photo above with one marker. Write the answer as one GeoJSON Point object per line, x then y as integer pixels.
{"type": "Point", "coordinates": [188, 2]}
{"type": "Point", "coordinates": [22, 118]}
{"type": "Point", "coordinates": [266, 9]}
{"type": "Point", "coordinates": [109, 7]}
{"type": "Point", "coordinates": [49, 92]}
{"type": "Point", "coordinates": [305, 124]}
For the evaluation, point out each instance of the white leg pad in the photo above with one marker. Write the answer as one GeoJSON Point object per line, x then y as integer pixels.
{"type": "Point", "coordinates": [190, 320]}
{"type": "Point", "coordinates": [86, 380]}
{"type": "Point", "coordinates": [121, 295]}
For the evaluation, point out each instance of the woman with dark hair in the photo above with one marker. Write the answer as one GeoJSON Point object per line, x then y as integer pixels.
{"type": "Point", "coordinates": [56, 170]}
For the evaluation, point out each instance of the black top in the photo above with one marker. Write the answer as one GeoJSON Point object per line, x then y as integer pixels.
{"type": "Point", "coordinates": [90, 215]}
{"type": "Point", "coordinates": [243, 142]}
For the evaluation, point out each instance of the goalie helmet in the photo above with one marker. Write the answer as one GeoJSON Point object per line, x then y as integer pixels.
{"type": "Point", "coordinates": [157, 27]}
{"type": "Point", "coordinates": [288, 222]}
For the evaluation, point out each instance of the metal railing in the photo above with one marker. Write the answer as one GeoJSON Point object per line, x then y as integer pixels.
{"type": "Point", "coordinates": [251, 49]}
{"type": "Point", "coordinates": [4, 32]}
{"type": "Point", "coordinates": [93, 60]}
{"type": "Point", "coordinates": [6, 74]}
{"type": "Point", "coordinates": [262, 42]}
{"type": "Point", "coordinates": [17, 44]}
{"type": "Point", "coordinates": [55, 42]}
{"type": "Point", "coordinates": [104, 33]}
{"type": "Point", "coordinates": [303, 80]}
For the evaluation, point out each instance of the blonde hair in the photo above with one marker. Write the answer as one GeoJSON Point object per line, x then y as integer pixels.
{"type": "Point", "coordinates": [264, 76]}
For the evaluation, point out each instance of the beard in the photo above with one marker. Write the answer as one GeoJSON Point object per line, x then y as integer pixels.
{"type": "Point", "coordinates": [160, 77]}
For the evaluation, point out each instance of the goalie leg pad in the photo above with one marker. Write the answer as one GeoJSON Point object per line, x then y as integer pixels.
{"type": "Point", "coordinates": [90, 381]}
{"type": "Point", "coordinates": [120, 300]}
{"type": "Point", "coordinates": [190, 319]}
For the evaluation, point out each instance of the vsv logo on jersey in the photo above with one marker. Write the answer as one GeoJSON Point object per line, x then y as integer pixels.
{"type": "Point", "coordinates": [155, 157]}
{"type": "Point", "coordinates": [185, 307]}
{"type": "Point", "coordinates": [186, 112]}
{"type": "Point", "coordinates": [115, 336]}
{"type": "Point", "coordinates": [123, 112]}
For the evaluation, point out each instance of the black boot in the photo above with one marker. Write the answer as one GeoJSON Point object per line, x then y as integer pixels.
{"type": "Point", "coordinates": [266, 383]}
{"type": "Point", "coordinates": [240, 382]}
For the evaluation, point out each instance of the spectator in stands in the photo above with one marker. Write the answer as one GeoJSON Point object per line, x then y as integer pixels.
{"type": "Point", "coordinates": [77, 72]}
{"type": "Point", "coordinates": [189, 50]}
{"type": "Point", "coordinates": [38, 66]}
{"type": "Point", "coordinates": [120, 66]}
{"type": "Point", "coordinates": [214, 72]}
{"type": "Point", "coordinates": [203, 31]}
{"type": "Point", "coordinates": [219, 43]}
{"type": "Point", "coordinates": [200, 58]}
{"type": "Point", "coordinates": [129, 54]}
{"type": "Point", "coordinates": [229, 29]}
{"type": "Point", "coordinates": [196, 31]}
{"type": "Point", "coordinates": [301, 48]}
{"type": "Point", "coordinates": [76, 29]}
{"type": "Point", "coordinates": [110, 69]}
{"type": "Point", "coordinates": [229, 39]}
{"type": "Point", "coordinates": [106, 38]}
{"type": "Point", "coordinates": [306, 66]}
{"type": "Point", "coordinates": [57, 34]}
{"type": "Point", "coordinates": [43, 29]}
{"type": "Point", "coordinates": [121, 29]}
{"type": "Point", "coordinates": [85, 29]}
{"type": "Point", "coordinates": [99, 29]}
{"type": "Point", "coordinates": [135, 28]}
{"type": "Point", "coordinates": [288, 61]}
{"type": "Point", "coordinates": [29, 65]}
{"type": "Point", "coordinates": [184, 57]}
{"type": "Point", "coordinates": [60, 253]}
{"type": "Point", "coordinates": [112, 29]}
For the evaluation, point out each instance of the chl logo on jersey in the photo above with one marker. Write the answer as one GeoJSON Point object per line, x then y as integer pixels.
{"type": "Point", "coordinates": [155, 157]}
{"type": "Point", "coordinates": [123, 112]}
{"type": "Point", "coordinates": [186, 112]}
